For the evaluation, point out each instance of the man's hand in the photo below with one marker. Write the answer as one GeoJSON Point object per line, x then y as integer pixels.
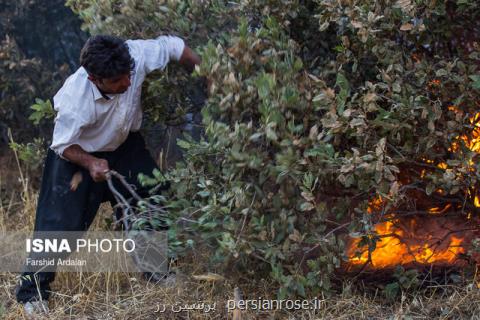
{"type": "Point", "coordinates": [96, 166]}
{"type": "Point", "coordinates": [189, 59]}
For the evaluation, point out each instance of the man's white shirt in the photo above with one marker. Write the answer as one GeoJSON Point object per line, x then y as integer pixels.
{"type": "Point", "coordinates": [85, 117]}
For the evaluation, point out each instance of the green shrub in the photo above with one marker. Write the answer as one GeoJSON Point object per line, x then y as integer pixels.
{"type": "Point", "coordinates": [315, 108]}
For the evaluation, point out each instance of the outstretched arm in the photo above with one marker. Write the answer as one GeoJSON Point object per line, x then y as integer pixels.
{"type": "Point", "coordinates": [189, 59]}
{"type": "Point", "coordinates": [157, 53]}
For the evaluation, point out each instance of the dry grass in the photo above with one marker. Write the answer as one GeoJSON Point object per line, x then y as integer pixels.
{"type": "Point", "coordinates": [127, 296]}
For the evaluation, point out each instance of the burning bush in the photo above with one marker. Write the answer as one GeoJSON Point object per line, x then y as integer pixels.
{"type": "Point", "coordinates": [333, 129]}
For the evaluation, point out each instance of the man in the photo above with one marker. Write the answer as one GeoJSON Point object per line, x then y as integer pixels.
{"type": "Point", "coordinates": [96, 129]}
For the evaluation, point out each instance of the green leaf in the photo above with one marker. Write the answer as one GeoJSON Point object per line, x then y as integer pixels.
{"type": "Point", "coordinates": [344, 93]}
{"type": "Point", "coordinates": [476, 81]}
{"type": "Point", "coordinates": [43, 110]}
{"type": "Point", "coordinates": [391, 290]}
{"type": "Point", "coordinates": [265, 83]}
{"type": "Point", "coordinates": [203, 193]}
{"type": "Point", "coordinates": [307, 206]}
{"type": "Point", "coordinates": [183, 144]}
{"type": "Point", "coordinates": [271, 134]}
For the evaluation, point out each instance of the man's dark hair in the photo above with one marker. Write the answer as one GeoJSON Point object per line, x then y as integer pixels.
{"type": "Point", "coordinates": [106, 57]}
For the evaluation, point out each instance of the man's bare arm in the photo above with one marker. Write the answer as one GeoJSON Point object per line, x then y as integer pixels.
{"type": "Point", "coordinates": [96, 166]}
{"type": "Point", "coordinates": [189, 59]}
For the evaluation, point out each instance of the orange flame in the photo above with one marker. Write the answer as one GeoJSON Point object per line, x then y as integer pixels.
{"type": "Point", "coordinates": [403, 241]}
{"type": "Point", "coordinates": [393, 248]}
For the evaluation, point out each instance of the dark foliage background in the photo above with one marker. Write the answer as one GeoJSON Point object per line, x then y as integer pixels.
{"type": "Point", "coordinates": [40, 43]}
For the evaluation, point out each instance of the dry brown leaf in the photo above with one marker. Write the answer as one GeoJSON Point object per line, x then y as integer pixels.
{"type": "Point", "coordinates": [357, 24]}
{"type": "Point", "coordinates": [406, 5]}
{"type": "Point", "coordinates": [406, 27]}
{"type": "Point", "coordinates": [370, 97]}
{"type": "Point", "coordinates": [296, 236]}
{"type": "Point", "coordinates": [209, 277]}
{"type": "Point", "coordinates": [330, 93]}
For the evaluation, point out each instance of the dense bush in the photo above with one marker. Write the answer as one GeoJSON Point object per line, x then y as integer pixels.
{"type": "Point", "coordinates": [315, 108]}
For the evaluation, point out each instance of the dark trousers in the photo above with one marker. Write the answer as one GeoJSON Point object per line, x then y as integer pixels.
{"type": "Point", "coordinates": [61, 209]}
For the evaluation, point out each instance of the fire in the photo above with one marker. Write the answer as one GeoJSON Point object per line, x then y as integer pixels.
{"type": "Point", "coordinates": [471, 141]}
{"type": "Point", "coordinates": [404, 243]}
{"type": "Point", "coordinates": [438, 210]}
{"type": "Point", "coordinates": [476, 201]}
{"type": "Point", "coordinates": [375, 204]}
{"type": "Point", "coordinates": [420, 239]}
